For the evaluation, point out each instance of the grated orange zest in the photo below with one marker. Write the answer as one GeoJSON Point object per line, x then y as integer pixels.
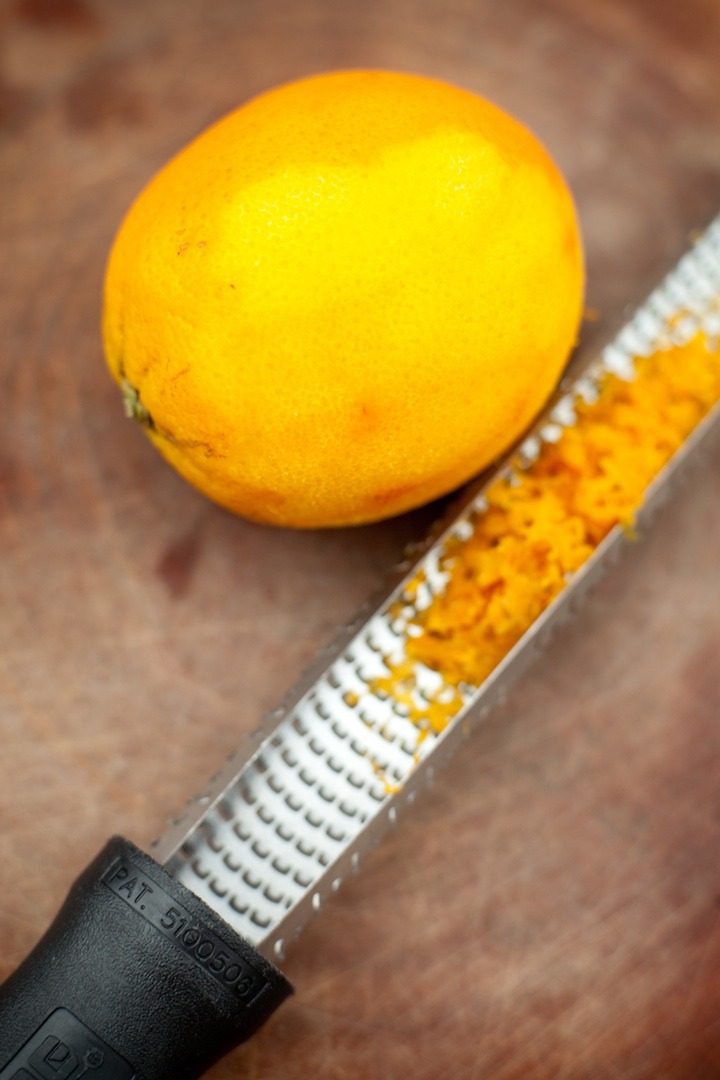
{"type": "Point", "coordinates": [544, 522]}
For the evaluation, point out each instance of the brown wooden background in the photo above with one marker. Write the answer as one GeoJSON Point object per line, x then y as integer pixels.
{"type": "Point", "coordinates": [552, 909]}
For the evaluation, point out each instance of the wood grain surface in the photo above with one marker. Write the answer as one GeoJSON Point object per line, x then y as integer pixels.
{"type": "Point", "coordinates": [552, 909]}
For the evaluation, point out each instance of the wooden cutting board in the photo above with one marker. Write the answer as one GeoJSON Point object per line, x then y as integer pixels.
{"type": "Point", "coordinates": [552, 909]}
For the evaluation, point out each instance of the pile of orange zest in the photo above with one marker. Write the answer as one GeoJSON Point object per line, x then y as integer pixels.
{"type": "Point", "coordinates": [544, 522]}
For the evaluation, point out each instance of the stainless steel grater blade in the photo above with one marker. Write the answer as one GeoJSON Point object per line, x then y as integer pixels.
{"type": "Point", "coordinates": [292, 812]}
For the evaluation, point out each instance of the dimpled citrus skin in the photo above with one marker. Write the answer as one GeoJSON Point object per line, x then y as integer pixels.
{"type": "Point", "coordinates": [345, 298]}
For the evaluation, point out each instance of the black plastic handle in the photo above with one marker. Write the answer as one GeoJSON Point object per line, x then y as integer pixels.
{"type": "Point", "coordinates": [136, 979]}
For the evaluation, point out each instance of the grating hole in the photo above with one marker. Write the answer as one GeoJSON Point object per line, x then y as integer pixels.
{"type": "Point", "coordinates": [367, 718]}
{"type": "Point", "coordinates": [326, 794]}
{"type": "Point", "coordinates": [303, 879]}
{"type": "Point", "coordinates": [316, 747]}
{"type": "Point", "coordinates": [284, 832]}
{"type": "Point", "coordinates": [348, 809]}
{"type": "Point", "coordinates": [298, 725]}
{"type": "Point", "coordinates": [231, 864]}
{"type": "Point", "coordinates": [260, 851]}
{"type": "Point", "coordinates": [304, 848]}
{"type": "Point", "coordinates": [224, 811]}
{"type": "Point", "coordinates": [214, 844]}
{"type": "Point", "coordinates": [219, 889]}
{"type": "Point", "coordinates": [355, 780]}
{"type": "Point", "coordinates": [289, 758]}
{"type": "Point", "coordinates": [280, 866]}
{"type": "Point", "coordinates": [313, 819]}
{"type": "Point", "coordinates": [293, 802]}
{"type": "Point", "coordinates": [238, 905]}
{"type": "Point", "coordinates": [306, 777]}
{"type": "Point", "coordinates": [334, 764]}
{"type": "Point", "coordinates": [272, 896]}
{"type": "Point", "coordinates": [253, 882]}
{"type": "Point", "coordinates": [335, 833]}
{"type": "Point", "coordinates": [263, 921]}
{"type": "Point", "coordinates": [241, 831]}
{"type": "Point", "coordinates": [321, 710]}
{"type": "Point", "coordinates": [265, 815]}
{"type": "Point", "coordinates": [199, 869]}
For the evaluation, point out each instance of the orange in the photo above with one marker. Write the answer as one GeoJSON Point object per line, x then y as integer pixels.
{"type": "Point", "coordinates": [345, 298]}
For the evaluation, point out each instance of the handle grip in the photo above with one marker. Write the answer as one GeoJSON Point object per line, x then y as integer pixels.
{"type": "Point", "coordinates": [136, 979]}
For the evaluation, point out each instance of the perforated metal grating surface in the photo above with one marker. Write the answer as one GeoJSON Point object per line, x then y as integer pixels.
{"type": "Point", "coordinates": [279, 828]}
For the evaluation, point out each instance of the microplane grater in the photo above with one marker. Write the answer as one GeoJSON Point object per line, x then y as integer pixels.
{"type": "Point", "coordinates": [284, 821]}
{"type": "Point", "coordinates": [157, 966]}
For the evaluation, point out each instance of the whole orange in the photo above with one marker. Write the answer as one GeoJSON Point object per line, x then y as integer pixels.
{"type": "Point", "coordinates": [345, 298]}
